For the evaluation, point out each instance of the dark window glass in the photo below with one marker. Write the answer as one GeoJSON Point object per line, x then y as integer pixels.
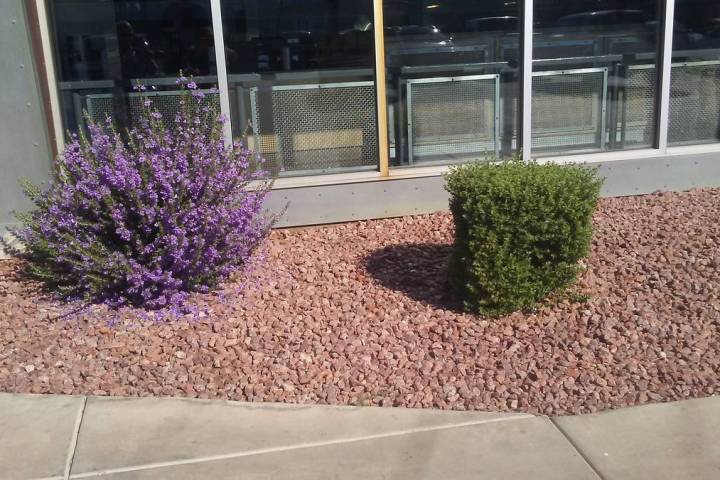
{"type": "Point", "coordinates": [453, 76]}
{"type": "Point", "coordinates": [695, 80]}
{"type": "Point", "coordinates": [594, 75]}
{"type": "Point", "coordinates": [301, 77]}
{"type": "Point", "coordinates": [104, 47]}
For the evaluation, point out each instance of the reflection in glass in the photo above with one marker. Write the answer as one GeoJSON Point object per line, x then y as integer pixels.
{"type": "Point", "coordinates": [452, 73]}
{"type": "Point", "coordinates": [594, 75]}
{"type": "Point", "coordinates": [302, 82]}
{"type": "Point", "coordinates": [104, 47]}
{"type": "Point", "coordinates": [695, 80]}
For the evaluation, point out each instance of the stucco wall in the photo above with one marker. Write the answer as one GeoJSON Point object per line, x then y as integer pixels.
{"type": "Point", "coordinates": [24, 145]}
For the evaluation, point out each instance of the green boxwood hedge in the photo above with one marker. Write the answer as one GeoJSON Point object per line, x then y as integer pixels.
{"type": "Point", "coordinates": [520, 229]}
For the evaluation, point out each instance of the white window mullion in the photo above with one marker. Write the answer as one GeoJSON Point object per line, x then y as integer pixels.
{"type": "Point", "coordinates": [527, 50]}
{"type": "Point", "coordinates": [221, 68]}
{"type": "Point", "coordinates": [663, 109]}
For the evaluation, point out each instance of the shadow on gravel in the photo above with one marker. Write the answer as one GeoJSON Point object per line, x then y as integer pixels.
{"type": "Point", "coordinates": [417, 270]}
{"type": "Point", "coordinates": [15, 272]}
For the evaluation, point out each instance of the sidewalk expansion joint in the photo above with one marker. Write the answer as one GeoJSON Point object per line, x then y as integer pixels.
{"type": "Point", "coordinates": [74, 440]}
{"type": "Point", "coordinates": [262, 451]}
{"type": "Point", "coordinates": [577, 449]}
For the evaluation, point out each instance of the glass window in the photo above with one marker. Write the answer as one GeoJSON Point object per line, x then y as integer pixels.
{"type": "Point", "coordinates": [103, 48]}
{"type": "Point", "coordinates": [594, 75]}
{"type": "Point", "coordinates": [695, 80]}
{"type": "Point", "coordinates": [452, 79]}
{"type": "Point", "coordinates": [301, 80]}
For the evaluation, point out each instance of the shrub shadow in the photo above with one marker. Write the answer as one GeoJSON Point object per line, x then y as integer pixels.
{"type": "Point", "coordinates": [418, 270]}
{"type": "Point", "coordinates": [16, 272]}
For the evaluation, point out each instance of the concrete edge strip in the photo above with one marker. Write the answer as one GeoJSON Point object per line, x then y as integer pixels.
{"type": "Point", "coordinates": [74, 440]}
{"type": "Point", "coordinates": [262, 451]}
{"type": "Point", "coordinates": [576, 448]}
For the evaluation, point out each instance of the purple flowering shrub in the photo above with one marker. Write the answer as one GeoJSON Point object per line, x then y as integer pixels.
{"type": "Point", "coordinates": [144, 217]}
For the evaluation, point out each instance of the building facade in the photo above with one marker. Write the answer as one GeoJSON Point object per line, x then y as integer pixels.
{"type": "Point", "coordinates": [360, 105]}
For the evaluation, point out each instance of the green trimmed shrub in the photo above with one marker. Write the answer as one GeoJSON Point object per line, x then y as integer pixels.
{"type": "Point", "coordinates": [520, 229]}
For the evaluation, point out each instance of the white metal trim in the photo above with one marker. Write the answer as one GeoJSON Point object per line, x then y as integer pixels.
{"type": "Point", "coordinates": [421, 171]}
{"type": "Point", "coordinates": [456, 78]}
{"type": "Point", "coordinates": [676, 64]}
{"type": "Point", "coordinates": [569, 71]}
{"type": "Point", "coordinates": [642, 67]}
{"type": "Point", "coordinates": [603, 157]}
{"type": "Point", "coordinates": [50, 75]}
{"type": "Point", "coordinates": [222, 78]}
{"type": "Point", "coordinates": [590, 157]}
{"type": "Point", "coordinates": [163, 93]}
{"type": "Point", "coordinates": [255, 122]}
{"type": "Point", "coordinates": [329, 179]}
{"type": "Point", "coordinates": [527, 66]}
{"type": "Point", "coordinates": [580, 59]}
{"type": "Point", "coordinates": [497, 115]}
{"type": "Point", "coordinates": [320, 86]}
{"type": "Point", "coordinates": [253, 113]}
{"type": "Point", "coordinates": [148, 82]}
{"type": "Point", "coordinates": [410, 172]}
{"type": "Point", "coordinates": [603, 114]}
{"type": "Point", "coordinates": [696, 64]}
{"type": "Point", "coordinates": [663, 110]}
{"type": "Point", "coordinates": [410, 124]}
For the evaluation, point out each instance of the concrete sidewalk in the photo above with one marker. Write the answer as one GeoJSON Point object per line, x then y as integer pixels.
{"type": "Point", "coordinates": [64, 437]}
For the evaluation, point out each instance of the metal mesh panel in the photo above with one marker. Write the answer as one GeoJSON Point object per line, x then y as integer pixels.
{"type": "Point", "coordinates": [453, 117]}
{"type": "Point", "coordinates": [167, 103]}
{"type": "Point", "coordinates": [639, 106]}
{"type": "Point", "coordinates": [695, 103]}
{"type": "Point", "coordinates": [325, 127]}
{"type": "Point", "coordinates": [568, 109]}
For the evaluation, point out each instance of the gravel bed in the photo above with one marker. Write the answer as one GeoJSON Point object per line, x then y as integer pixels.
{"type": "Point", "coordinates": [359, 314]}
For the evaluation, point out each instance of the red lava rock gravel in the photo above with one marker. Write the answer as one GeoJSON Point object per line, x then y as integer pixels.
{"type": "Point", "coordinates": [358, 314]}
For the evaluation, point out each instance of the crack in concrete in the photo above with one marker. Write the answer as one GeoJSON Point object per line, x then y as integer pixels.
{"type": "Point", "coordinates": [262, 451]}
{"type": "Point", "coordinates": [577, 449]}
{"type": "Point", "coordinates": [74, 440]}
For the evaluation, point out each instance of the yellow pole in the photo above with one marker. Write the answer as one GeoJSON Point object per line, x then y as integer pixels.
{"type": "Point", "coordinates": [380, 88]}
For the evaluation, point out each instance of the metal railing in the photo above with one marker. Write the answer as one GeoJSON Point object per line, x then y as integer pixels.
{"type": "Point", "coordinates": [453, 116]}
{"type": "Point", "coordinates": [315, 128]}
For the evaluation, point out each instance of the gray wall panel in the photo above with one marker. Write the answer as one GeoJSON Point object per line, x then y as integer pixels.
{"type": "Point", "coordinates": [646, 175]}
{"type": "Point", "coordinates": [390, 198]}
{"type": "Point", "coordinates": [354, 201]}
{"type": "Point", "coordinates": [24, 145]}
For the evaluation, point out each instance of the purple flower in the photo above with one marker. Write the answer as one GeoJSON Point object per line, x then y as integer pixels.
{"type": "Point", "coordinates": [146, 217]}
{"type": "Point", "coordinates": [192, 85]}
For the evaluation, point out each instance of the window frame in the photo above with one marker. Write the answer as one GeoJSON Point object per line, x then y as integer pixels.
{"type": "Point", "coordinates": [384, 172]}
